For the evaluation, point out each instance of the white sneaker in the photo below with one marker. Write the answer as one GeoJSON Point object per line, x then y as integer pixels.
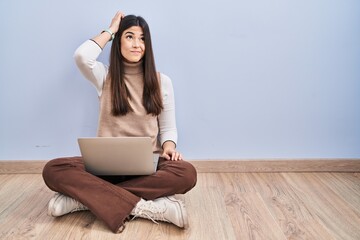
{"type": "Point", "coordinates": [167, 209]}
{"type": "Point", "coordinates": [60, 205]}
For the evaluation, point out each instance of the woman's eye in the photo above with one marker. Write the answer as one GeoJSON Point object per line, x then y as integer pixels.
{"type": "Point", "coordinates": [142, 39]}
{"type": "Point", "coordinates": [129, 37]}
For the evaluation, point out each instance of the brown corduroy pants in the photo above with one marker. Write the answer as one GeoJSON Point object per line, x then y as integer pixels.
{"type": "Point", "coordinates": [113, 198]}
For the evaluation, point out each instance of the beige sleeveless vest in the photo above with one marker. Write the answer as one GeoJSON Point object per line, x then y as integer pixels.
{"type": "Point", "coordinates": [134, 124]}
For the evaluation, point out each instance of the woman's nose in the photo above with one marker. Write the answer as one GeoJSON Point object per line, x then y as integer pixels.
{"type": "Point", "coordinates": [136, 43]}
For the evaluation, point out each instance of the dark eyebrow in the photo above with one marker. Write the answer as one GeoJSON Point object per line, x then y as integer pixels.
{"type": "Point", "coordinates": [132, 33]}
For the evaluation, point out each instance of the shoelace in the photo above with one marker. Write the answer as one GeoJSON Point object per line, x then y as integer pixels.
{"type": "Point", "coordinates": [79, 205]}
{"type": "Point", "coordinates": [150, 208]}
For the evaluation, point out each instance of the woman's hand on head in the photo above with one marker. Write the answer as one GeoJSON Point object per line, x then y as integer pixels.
{"type": "Point", "coordinates": [170, 153]}
{"type": "Point", "coordinates": [115, 22]}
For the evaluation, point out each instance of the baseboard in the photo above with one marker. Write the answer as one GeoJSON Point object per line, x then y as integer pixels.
{"type": "Point", "coordinates": [213, 166]}
{"type": "Point", "coordinates": [286, 165]}
{"type": "Point", "coordinates": [22, 166]}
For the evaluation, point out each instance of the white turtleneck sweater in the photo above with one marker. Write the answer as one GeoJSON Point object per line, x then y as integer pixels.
{"type": "Point", "coordinates": [160, 128]}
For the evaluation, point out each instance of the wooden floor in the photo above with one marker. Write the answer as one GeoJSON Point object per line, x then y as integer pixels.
{"type": "Point", "coordinates": [221, 206]}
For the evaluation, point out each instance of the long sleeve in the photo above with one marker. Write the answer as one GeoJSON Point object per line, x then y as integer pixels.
{"type": "Point", "coordinates": [167, 120]}
{"type": "Point", "coordinates": [86, 59]}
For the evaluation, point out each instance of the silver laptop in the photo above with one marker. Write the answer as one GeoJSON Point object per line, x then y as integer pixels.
{"type": "Point", "coordinates": [118, 155]}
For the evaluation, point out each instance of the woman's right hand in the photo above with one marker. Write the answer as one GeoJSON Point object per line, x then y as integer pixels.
{"type": "Point", "coordinates": [115, 22]}
{"type": "Point", "coordinates": [103, 38]}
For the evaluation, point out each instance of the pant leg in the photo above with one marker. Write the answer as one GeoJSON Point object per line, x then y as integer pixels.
{"type": "Point", "coordinates": [113, 203]}
{"type": "Point", "coordinates": [110, 203]}
{"type": "Point", "coordinates": [171, 177]}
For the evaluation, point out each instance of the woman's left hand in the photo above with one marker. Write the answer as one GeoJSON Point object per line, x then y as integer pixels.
{"type": "Point", "coordinates": [170, 153]}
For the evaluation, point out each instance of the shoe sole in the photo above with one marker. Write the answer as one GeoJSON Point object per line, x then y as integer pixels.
{"type": "Point", "coordinates": [181, 205]}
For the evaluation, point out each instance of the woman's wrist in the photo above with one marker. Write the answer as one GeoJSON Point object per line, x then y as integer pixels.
{"type": "Point", "coordinates": [108, 31]}
{"type": "Point", "coordinates": [169, 145]}
{"type": "Point", "coordinates": [113, 29]}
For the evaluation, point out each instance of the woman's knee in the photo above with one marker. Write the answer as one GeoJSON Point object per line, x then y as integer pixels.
{"type": "Point", "coordinates": [55, 169]}
{"type": "Point", "coordinates": [182, 172]}
{"type": "Point", "coordinates": [190, 174]}
{"type": "Point", "coordinates": [49, 173]}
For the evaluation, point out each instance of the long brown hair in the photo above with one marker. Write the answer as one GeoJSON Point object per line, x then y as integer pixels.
{"type": "Point", "coordinates": [120, 95]}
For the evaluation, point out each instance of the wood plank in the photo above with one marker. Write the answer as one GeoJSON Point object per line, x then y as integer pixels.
{"type": "Point", "coordinates": [292, 215]}
{"type": "Point", "coordinates": [350, 179]}
{"type": "Point", "coordinates": [222, 166]}
{"type": "Point", "coordinates": [327, 207]}
{"type": "Point", "coordinates": [209, 218]}
{"type": "Point", "coordinates": [348, 190]}
{"type": "Point", "coordinates": [250, 218]}
{"type": "Point", "coordinates": [22, 207]}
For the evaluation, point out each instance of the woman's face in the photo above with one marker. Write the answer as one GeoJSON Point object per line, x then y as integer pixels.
{"type": "Point", "coordinates": [133, 44]}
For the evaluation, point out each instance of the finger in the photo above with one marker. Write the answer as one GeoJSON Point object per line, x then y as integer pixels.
{"type": "Point", "coordinates": [179, 157]}
{"type": "Point", "coordinates": [166, 156]}
{"type": "Point", "coordinates": [119, 14]}
{"type": "Point", "coordinates": [116, 16]}
{"type": "Point", "coordinates": [176, 156]}
{"type": "Point", "coordinates": [115, 22]}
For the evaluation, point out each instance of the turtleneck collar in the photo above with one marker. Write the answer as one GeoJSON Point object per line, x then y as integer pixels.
{"type": "Point", "coordinates": [133, 68]}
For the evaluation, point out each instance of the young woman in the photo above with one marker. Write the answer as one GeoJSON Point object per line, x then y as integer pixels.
{"type": "Point", "coordinates": [135, 100]}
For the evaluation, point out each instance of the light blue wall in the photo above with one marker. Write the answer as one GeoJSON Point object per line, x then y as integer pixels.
{"type": "Point", "coordinates": [253, 79]}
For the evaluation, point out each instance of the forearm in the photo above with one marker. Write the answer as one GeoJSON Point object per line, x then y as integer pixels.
{"type": "Point", "coordinates": [167, 120]}
{"type": "Point", "coordinates": [102, 39]}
